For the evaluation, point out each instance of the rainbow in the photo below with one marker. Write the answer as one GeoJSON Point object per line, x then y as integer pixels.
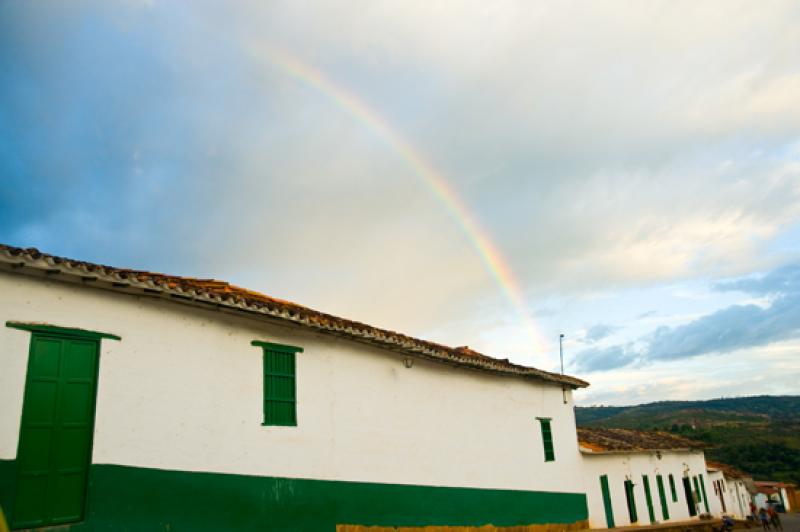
{"type": "Point", "coordinates": [424, 169]}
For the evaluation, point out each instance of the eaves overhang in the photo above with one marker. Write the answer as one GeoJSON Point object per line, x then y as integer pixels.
{"type": "Point", "coordinates": [586, 452]}
{"type": "Point", "coordinates": [208, 293]}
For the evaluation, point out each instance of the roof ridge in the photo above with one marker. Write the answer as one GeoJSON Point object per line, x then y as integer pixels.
{"type": "Point", "coordinates": [225, 294]}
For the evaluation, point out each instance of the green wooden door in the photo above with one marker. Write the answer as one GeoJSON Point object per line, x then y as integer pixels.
{"type": "Point", "coordinates": [631, 500]}
{"type": "Point", "coordinates": [56, 431]}
{"type": "Point", "coordinates": [649, 499]}
{"type": "Point", "coordinates": [662, 495]}
{"type": "Point", "coordinates": [687, 492]}
{"type": "Point", "coordinates": [607, 501]}
{"type": "Point", "coordinates": [703, 490]}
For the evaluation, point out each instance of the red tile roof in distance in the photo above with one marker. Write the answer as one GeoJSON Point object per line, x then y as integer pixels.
{"type": "Point", "coordinates": [211, 292]}
{"type": "Point", "coordinates": [727, 470]}
{"type": "Point", "coordinates": [601, 440]}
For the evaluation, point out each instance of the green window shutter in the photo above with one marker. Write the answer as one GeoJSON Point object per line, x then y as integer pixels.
{"type": "Point", "coordinates": [607, 501]}
{"type": "Point", "coordinates": [547, 439]}
{"type": "Point", "coordinates": [631, 500]}
{"type": "Point", "coordinates": [697, 489]}
{"type": "Point", "coordinates": [672, 488]}
{"type": "Point", "coordinates": [280, 384]}
{"type": "Point", "coordinates": [663, 496]}
{"type": "Point", "coordinates": [649, 498]}
{"type": "Point", "coordinates": [703, 489]}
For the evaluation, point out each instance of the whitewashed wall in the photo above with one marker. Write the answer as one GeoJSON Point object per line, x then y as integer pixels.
{"type": "Point", "coordinates": [733, 491]}
{"type": "Point", "coordinates": [716, 497]}
{"type": "Point", "coordinates": [737, 499]}
{"type": "Point", "coordinates": [183, 390]}
{"type": "Point", "coordinates": [622, 466]}
{"type": "Point", "coordinates": [761, 499]}
{"type": "Point", "coordinates": [738, 490]}
{"type": "Point", "coordinates": [714, 503]}
{"type": "Point", "coordinates": [786, 501]}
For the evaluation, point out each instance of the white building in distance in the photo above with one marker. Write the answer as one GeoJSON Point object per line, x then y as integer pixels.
{"type": "Point", "coordinates": [641, 478]}
{"type": "Point", "coordinates": [730, 488]}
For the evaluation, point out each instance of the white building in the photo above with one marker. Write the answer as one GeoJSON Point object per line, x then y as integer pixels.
{"type": "Point", "coordinates": [730, 488]}
{"type": "Point", "coordinates": [153, 402]}
{"type": "Point", "coordinates": [773, 493]}
{"type": "Point", "coordinates": [634, 477]}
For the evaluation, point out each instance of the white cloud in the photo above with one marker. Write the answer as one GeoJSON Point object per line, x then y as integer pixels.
{"type": "Point", "coordinates": [603, 146]}
{"type": "Point", "coordinates": [770, 370]}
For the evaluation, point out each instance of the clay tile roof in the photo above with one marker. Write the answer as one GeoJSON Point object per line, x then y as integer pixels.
{"type": "Point", "coordinates": [727, 470]}
{"type": "Point", "coordinates": [770, 487]}
{"type": "Point", "coordinates": [215, 293]}
{"type": "Point", "coordinates": [600, 440]}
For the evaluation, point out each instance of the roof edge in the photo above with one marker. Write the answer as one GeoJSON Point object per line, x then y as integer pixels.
{"type": "Point", "coordinates": [207, 293]}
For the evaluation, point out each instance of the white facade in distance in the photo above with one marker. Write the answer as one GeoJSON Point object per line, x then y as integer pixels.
{"type": "Point", "coordinates": [731, 494]}
{"type": "Point", "coordinates": [622, 466]}
{"type": "Point", "coordinates": [782, 496]}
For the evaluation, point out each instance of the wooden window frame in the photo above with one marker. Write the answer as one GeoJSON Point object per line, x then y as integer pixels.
{"type": "Point", "coordinates": [273, 349]}
{"type": "Point", "coordinates": [546, 428]}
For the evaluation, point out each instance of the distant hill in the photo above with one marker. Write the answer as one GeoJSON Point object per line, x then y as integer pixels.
{"type": "Point", "coordinates": [760, 434]}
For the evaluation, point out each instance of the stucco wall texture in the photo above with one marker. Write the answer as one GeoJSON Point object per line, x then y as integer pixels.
{"type": "Point", "coordinates": [631, 466]}
{"type": "Point", "coordinates": [183, 390]}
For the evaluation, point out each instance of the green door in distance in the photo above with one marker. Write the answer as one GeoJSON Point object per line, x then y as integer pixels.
{"type": "Point", "coordinates": [55, 439]}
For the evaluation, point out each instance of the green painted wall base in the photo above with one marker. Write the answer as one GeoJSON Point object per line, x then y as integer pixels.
{"type": "Point", "coordinates": [136, 499]}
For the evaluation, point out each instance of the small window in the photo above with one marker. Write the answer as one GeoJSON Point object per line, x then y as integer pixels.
{"type": "Point", "coordinates": [672, 488]}
{"type": "Point", "coordinates": [280, 384]}
{"type": "Point", "coordinates": [547, 439]}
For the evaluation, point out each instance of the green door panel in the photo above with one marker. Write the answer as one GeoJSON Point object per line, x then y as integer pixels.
{"type": "Point", "coordinates": [687, 492]}
{"type": "Point", "coordinates": [631, 500]}
{"type": "Point", "coordinates": [703, 490]}
{"type": "Point", "coordinates": [662, 495]}
{"type": "Point", "coordinates": [607, 501]}
{"type": "Point", "coordinates": [56, 431]}
{"type": "Point", "coordinates": [649, 499]}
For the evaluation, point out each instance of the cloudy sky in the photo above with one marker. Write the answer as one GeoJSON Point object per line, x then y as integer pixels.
{"type": "Point", "coordinates": [479, 173]}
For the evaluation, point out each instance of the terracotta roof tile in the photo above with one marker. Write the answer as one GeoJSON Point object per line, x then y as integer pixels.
{"type": "Point", "coordinates": [601, 440]}
{"type": "Point", "coordinates": [220, 293]}
{"type": "Point", "coordinates": [727, 470]}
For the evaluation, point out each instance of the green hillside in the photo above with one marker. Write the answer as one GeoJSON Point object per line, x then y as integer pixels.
{"type": "Point", "coordinates": [759, 435]}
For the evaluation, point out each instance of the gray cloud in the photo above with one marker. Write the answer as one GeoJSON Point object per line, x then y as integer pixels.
{"type": "Point", "coordinates": [153, 138]}
{"type": "Point", "coordinates": [595, 359]}
{"type": "Point", "coordinates": [729, 329]}
{"type": "Point", "coordinates": [598, 332]}
{"type": "Point", "coordinates": [784, 280]}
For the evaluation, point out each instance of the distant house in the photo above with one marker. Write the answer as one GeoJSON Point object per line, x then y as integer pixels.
{"type": "Point", "coordinates": [730, 488]}
{"type": "Point", "coordinates": [131, 400]}
{"type": "Point", "coordinates": [635, 477]}
{"type": "Point", "coordinates": [793, 496]}
{"type": "Point", "coordinates": [776, 492]}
